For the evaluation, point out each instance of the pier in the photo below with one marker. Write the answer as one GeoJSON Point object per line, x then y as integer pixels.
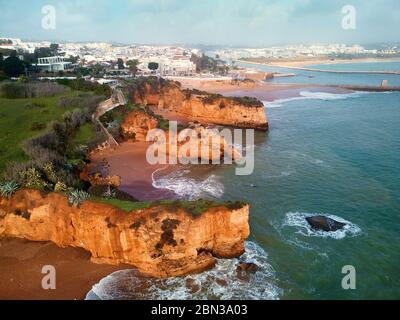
{"type": "Point", "coordinates": [367, 88]}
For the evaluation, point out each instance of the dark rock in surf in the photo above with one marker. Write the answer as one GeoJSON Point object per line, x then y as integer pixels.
{"type": "Point", "coordinates": [192, 285]}
{"type": "Point", "coordinates": [324, 223]}
{"type": "Point", "coordinates": [245, 269]}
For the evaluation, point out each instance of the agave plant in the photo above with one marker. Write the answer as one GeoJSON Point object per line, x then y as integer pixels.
{"type": "Point", "coordinates": [76, 197]}
{"type": "Point", "coordinates": [8, 188]}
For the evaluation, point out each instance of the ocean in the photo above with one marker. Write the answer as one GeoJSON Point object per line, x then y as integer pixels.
{"type": "Point", "coordinates": [325, 153]}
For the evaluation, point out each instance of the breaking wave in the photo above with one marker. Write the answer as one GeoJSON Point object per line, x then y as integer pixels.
{"type": "Point", "coordinates": [189, 188]}
{"type": "Point", "coordinates": [298, 221]}
{"type": "Point", "coordinates": [309, 95]}
{"type": "Point", "coordinates": [220, 283]}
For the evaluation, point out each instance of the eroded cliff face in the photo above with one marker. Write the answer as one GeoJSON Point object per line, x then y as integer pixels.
{"type": "Point", "coordinates": [136, 124]}
{"type": "Point", "coordinates": [201, 143]}
{"type": "Point", "coordinates": [201, 106]}
{"type": "Point", "coordinates": [160, 241]}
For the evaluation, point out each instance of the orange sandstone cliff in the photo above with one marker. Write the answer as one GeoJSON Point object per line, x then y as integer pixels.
{"type": "Point", "coordinates": [199, 106]}
{"type": "Point", "coordinates": [136, 124]}
{"type": "Point", "coordinates": [160, 241]}
{"type": "Point", "coordinates": [205, 144]}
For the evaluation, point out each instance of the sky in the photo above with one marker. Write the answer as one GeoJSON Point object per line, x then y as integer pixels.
{"type": "Point", "coordinates": [254, 23]}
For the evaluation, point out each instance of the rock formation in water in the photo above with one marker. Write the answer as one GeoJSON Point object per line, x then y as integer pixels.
{"type": "Point", "coordinates": [324, 223]}
{"type": "Point", "coordinates": [199, 106]}
{"type": "Point", "coordinates": [201, 143]}
{"type": "Point", "coordinates": [160, 240]}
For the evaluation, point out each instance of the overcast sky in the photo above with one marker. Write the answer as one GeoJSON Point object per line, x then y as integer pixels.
{"type": "Point", "coordinates": [210, 22]}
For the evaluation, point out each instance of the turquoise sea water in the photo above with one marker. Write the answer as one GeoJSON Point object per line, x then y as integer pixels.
{"type": "Point", "coordinates": [325, 154]}
{"type": "Point", "coordinates": [312, 77]}
{"type": "Point", "coordinates": [335, 157]}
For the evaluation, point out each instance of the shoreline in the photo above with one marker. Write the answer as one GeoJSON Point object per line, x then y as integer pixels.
{"type": "Point", "coordinates": [128, 161]}
{"type": "Point", "coordinates": [263, 91]}
{"type": "Point", "coordinates": [303, 63]}
{"type": "Point", "coordinates": [21, 263]}
{"type": "Point", "coordinates": [21, 260]}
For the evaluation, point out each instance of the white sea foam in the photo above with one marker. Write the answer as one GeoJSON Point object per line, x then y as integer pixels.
{"type": "Point", "coordinates": [189, 188]}
{"type": "Point", "coordinates": [219, 283]}
{"type": "Point", "coordinates": [293, 154]}
{"type": "Point", "coordinates": [283, 174]}
{"type": "Point", "coordinates": [298, 221]}
{"type": "Point", "coordinates": [309, 95]}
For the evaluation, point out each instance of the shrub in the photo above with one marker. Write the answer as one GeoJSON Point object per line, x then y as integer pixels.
{"type": "Point", "coordinates": [83, 101]}
{"type": "Point", "coordinates": [32, 178]}
{"type": "Point", "coordinates": [248, 101]}
{"type": "Point", "coordinates": [51, 175]}
{"type": "Point", "coordinates": [76, 197]}
{"type": "Point", "coordinates": [37, 126]}
{"type": "Point", "coordinates": [105, 191]}
{"type": "Point", "coordinates": [60, 187]}
{"type": "Point", "coordinates": [32, 105]}
{"type": "Point", "coordinates": [83, 85]}
{"type": "Point", "coordinates": [8, 188]}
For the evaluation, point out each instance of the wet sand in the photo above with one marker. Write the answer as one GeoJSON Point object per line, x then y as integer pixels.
{"type": "Point", "coordinates": [21, 263]}
{"type": "Point", "coordinates": [129, 162]}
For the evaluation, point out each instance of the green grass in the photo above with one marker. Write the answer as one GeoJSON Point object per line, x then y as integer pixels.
{"type": "Point", "coordinates": [16, 120]}
{"type": "Point", "coordinates": [85, 134]}
{"type": "Point", "coordinates": [195, 208]}
{"type": "Point", "coordinates": [124, 205]}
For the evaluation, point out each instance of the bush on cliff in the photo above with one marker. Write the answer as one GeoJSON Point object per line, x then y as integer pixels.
{"type": "Point", "coordinates": [105, 191]}
{"type": "Point", "coordinates": [81, 84]}
{"type": "Point", "coordinates": [82, 101]}
{"type": "Point", "coordinates": [51, 150]}
{"type": "Point", "coordinates": [8, 188]}
{"type": "Point", "coordinates": [76, 197]}
{"type": "Point", "coordinates": [195, 208]}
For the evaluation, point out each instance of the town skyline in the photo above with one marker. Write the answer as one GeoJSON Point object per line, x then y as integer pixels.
{"type": "Point", "coordinates": [253, 23]}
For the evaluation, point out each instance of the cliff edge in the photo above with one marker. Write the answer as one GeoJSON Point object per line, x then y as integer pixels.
{"type": "Point", "coordinates": [196, 105]}
{"type": "Point", "coordinates": [160, 240]}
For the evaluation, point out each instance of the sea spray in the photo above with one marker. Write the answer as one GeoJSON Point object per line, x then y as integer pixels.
{"type": "Point", "coordinates": [221, 282]}
{"type": "Point", "coordinates": [309, 95]}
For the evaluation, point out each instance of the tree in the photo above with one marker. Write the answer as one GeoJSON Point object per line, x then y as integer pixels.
{"type": "Point", "coordinates": [133, 66]}
{"type": "Point", "coordinates": [153, 66]}
{"type": "Point", "coordinates": [54, 48]}
{"type": "Point", "coordinates": [73, 59]}
{"type": "Point", "coordinates": [120, 63]}
{"type": "Point", "coordinates": [42, 53]}
{"type": "Point", "coordinates": [13, 66]}
{"type": "Point", "coordinates": [97, 69]}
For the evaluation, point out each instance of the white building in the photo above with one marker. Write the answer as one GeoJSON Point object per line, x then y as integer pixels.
{"type": "Point", "coordinates": [53, 64]}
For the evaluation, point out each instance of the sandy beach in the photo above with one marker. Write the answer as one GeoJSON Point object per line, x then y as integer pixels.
{"type": "Point", "coordinates": [129, 162]}
{"type": "Point", "coordinates": [21, 263]}
{"type": "Point", "coordinates": [263, 91]}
